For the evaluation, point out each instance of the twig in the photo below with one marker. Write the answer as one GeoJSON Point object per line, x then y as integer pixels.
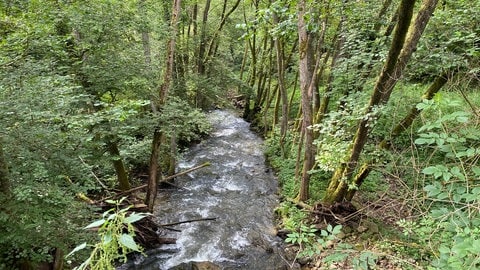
{"type": "Point", "coordinates": [91, 172]}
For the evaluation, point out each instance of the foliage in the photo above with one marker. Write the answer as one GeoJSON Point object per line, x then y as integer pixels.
{"type": "Point", "coordinates": [284, 167]}
{"type": "Point", "coordinates": [308, 240]}
{"type": "Point", "coordinates": [449, 44]}
{"type": "Point", "coordinates": [114, 243]}
{"type": "Point", "coordinates": [38, 214]}
{"type": "Point", "coordinates": [452, 139]}
{"type": "Point", "coordinates": [335, 132]}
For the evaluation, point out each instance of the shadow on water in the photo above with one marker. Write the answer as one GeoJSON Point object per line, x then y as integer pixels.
{"type": "Point", "coordinates": [237, 189]}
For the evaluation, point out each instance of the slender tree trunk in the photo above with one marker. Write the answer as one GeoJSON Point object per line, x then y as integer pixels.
{"type": "Point", "coordinates": [339, 183]}
{"type": "Point", "coordinates": [171, 44]}
{"type": "Point", "coordinates": [404, 124]}
{"type": "Point", "coordinates": [323, 109]}
{"type": "Point", "coordinates": [212, 48]}
{"type": "Point", "coordinates": [307, 86]}
{"type": "Point", "coordinates": [122, 175]}
{"type": "Point", "coordinates": [155, 171]}
{"type": "Point", "coordinates": [252, 45]}
{"type": "Point", "coordinates": [414, 34]}
{"type": "Point", "coordinates": [282, 90]}
{"type": "Point", "coordinates": [203, 40]}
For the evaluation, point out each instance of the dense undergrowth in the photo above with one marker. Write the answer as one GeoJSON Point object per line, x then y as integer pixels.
{"type": "Point", "coordinates": [418, 210]}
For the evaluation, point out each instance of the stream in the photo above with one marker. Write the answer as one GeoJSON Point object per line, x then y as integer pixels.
{"type": "Point", "coordinates": [238, 189]}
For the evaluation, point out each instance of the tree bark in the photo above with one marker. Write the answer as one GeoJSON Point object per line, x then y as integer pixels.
{"type": "Point", "coordinates": [307, 86]}
{"type": "Point", "coordinates": [282, 91]}
{"type": "Point", "coordinates": [414, 34]}
{"type": "Point", "coordinates": [339, 183]}
{"type": "Point", "coordinates": [122, 175]}
{"type": "Point", "coordinates": [155, 171]}
{"type": "Point", "coordinates": [405, 123]}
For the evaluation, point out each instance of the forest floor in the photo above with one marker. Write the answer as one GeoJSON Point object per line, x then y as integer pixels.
{"type": "Point", "coordinates": [371, 237]}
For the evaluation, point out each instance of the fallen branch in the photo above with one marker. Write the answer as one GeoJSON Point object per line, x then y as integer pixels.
{"type": "Point", "coordinates": [93, 174]}
{"type": "Point", "coordinates": [186, 171]}
{"type": "Point", "coordinates": [187, 221]}
{"type": "Point", "coordinates": [164, 180]}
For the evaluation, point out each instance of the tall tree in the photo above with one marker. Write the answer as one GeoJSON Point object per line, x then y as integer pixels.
{"type": "Point", "coordinates": [307, 87]}
{"type": "Point", "coordinates": [341, 179]}
{"type": "Point", "coordinates": [155, 171]}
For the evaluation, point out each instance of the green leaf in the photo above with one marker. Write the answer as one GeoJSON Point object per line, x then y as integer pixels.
{"type": "Point", "coordinates": [134, 217]}
{"type": "Point", "coordinates": [335, 257]}
{"type": "Point", "coordinates": [77, 248]}
{"type": "Point", "coordinates": [432, 190]}
{"type": "Point", "coordinates": [430, 170]}
{"type": "Point", "coordinates": [337, 229]}
{"type": "Point", "coordinates": [444, 250]}
{"type": "Point", "coordinates": [95, 224]}
{"type": "Point", "coordinates": [107, 238]}
{"type": "Point", "coordinates": [127, 241]}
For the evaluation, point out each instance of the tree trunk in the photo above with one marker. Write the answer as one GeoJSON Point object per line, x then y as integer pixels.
{"type": "Point", "coordinates": [414, 34]}
{"type": "Point", "coordinates": [282, 93]}
{"type": "Point", "coordinates": [406, 122]}
{"type": "Point", "coordinates": [339, 183]}
{"type": "Point", "coordinates": [122, 175]}
{"type": "Point", "coordinates": [158, 136]}
{"type": "Point", "coordinates": [154, 172]}
{"type": "Point", "coordinates": [203, 41]}
{"type": "Point", "coordinates": [212, 49]}
{"type": "Point", "coordinates": [307, 86]}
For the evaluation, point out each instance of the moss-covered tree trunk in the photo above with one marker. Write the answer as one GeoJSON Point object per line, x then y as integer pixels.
{"type": "Point", "coordinates": [122, 175]}
{"type": "Point", "coordinates": [339, 183]}
{"type": "Point", "coordinates": [405, 123]}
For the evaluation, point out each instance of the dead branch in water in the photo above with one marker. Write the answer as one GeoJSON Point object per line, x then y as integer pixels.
{"type": "Point", "coordinates": [187, 221]}
{"type": "Point", "coordinates": [164, 180]}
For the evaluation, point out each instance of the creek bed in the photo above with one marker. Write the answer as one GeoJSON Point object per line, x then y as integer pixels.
{"type": "Point", "coordinates": [238, 189]}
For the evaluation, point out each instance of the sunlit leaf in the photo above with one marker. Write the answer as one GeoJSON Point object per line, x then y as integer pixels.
{"type": "Point", "coordinates": [94, 224]}
{"type": "Point", "coordinates": [127, 241]}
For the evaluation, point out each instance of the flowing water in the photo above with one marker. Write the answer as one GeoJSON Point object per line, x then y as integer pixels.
{"type": "Point", "coordinates": [237, 189]}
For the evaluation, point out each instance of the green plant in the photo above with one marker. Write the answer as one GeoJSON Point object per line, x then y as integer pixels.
{"type": "Point", "coordinates": [308, 240]}
{"type": "Point", "coordinates": [450, 231]}
{"type": "Point", "coordinates": [114, 243]}
{"type": "Point", "coordinates": [366, 260]}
